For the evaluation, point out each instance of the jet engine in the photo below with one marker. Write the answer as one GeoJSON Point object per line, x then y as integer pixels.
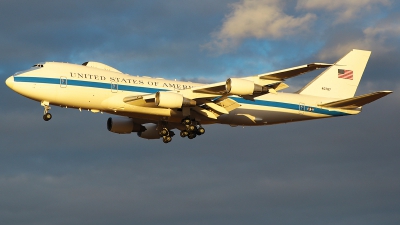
{"type": "Point", "coordinates": [123, 125]}
{"type": "Point", "coordinates": [237, 86]}
{"type": "Point", "coordinates": [172, 100]}
{"type": "Point", "coordinates": [151, 132]}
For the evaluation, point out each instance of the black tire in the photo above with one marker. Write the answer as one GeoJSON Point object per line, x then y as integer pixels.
{"type": "Point", "coordinates": [186, 121]}
{"type": "Point", "coordinates": [201, 131]}
{"type": "Point", "coordinates": [163, 132]}
{"type": "Point", "coordinates": [184, 133]}
{"type": "Point", "coordinates": [191, 128]}
{"type": "Point", "coordinates": [47, 117]}
{"type": "Point", "coordinates": [167, 139]}
{"type": "Point", "coordinates": [191, 135]}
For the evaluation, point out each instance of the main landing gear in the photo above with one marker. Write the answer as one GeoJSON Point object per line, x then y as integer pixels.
{"type": "Point", "coordinates": [166, 135]}
{"type": "Point", "coordinates": [47, 116]}
{"type": "Point", "coordinates": [193, 128]}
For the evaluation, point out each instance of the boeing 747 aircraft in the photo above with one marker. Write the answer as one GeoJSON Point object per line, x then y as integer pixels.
{"type": "Point", "coordinates": [153, 107]}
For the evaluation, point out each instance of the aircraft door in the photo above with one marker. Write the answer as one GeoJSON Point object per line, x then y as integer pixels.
{"type": "Point", "coordinates": [63, 82]}
{"type": "Point", "coordinates": [114, 87]}
{"type": "Point", "coordinates": [302, 108]}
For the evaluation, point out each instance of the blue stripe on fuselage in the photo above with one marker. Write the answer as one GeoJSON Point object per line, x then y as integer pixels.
{"type": "Point", "coordinates": [288, 106]}
{"type": "Point", "coordinates": [87, 84]}
{"type": "Point", "coordinates": [152, 90]}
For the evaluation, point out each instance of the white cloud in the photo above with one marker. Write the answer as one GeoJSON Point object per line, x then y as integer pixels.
{"type": "Point", "coordinates": [374, 38]}
{"type": "Point", "coordinates": [345, 9]}
{"type": "Point", "coordinates": [258, 19]}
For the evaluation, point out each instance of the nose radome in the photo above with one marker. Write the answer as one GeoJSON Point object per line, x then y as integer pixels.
{"type": "Point", "coordinates": [10, 82]}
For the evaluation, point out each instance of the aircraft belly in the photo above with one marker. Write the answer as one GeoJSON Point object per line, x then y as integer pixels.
{"type": "Point", "coordinates": [263, 116]}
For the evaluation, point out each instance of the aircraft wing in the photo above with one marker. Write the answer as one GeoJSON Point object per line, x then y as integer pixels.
{"type": "Point", "coordinates": [205, 104]}
{"type": "Point", "coordinates": [274, 80]}
{"type": "Point", "coordinates": [212, 100]}
{"type": "Point", "coordinates": [281, 75]}
{"type": "Point", "coordinates": [216, 88]}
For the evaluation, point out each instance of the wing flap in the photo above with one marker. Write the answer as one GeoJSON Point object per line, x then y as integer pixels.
{"type": "Point", "coordinates": [217, 108]}
{"type": "Point", "coordinates": [358, 101]}
{"type": "Point", "coordinates": [228, 104]}
{"type": "Point", "coordinates": [213, 109]}
{"type": "Point", "coordinates": [205, 112]}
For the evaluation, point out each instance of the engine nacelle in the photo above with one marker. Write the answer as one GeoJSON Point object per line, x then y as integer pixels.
{"type": "Point", "coordinates": [151, 132]}
{"type": "Point", "coordinates": [237, 86]}
{"type": "Point", "coordinates": [172, 100]}
{"type": "Point", "coordinates": [123, 125]}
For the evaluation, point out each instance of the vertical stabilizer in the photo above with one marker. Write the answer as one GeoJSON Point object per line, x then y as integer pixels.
{"type": "Point", "coordinates": [340, 80]}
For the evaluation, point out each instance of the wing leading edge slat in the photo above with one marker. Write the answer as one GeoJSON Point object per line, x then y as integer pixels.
{"type": "Point", "coordinates": [281, 75]}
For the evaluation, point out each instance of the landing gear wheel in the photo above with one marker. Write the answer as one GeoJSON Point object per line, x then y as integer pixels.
{"type": "Point", "coordinates": [47, 117]}
{"type": "Point", "coordinates": [184, 133]}
{"type": "Point", "coordinates": [191, 128]}
{"type": "Point", "coordinates": [186, 121]}
{"type": "Point", "coordinates": [201, 131]}
{"type": "Point", "coordinates": [164, 132]}
{"type": "Point", "coordinates": [167, 139]}
{"type": "Point", "coordinates": [191, 135]}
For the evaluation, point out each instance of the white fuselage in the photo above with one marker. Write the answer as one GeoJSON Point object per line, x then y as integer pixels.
{"type": "Point", "coordinates": [77, 86]}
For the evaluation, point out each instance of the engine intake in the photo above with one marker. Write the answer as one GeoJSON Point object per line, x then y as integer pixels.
{"type": "Point", "coordinates": [237, 86]}
{"type": "Point", "coordinates": [123, 125]}
{"type": "Point", "coordinates": [172, 100]}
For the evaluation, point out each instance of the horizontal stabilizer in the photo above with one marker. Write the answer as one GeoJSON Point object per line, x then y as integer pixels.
{"type": "Point", "coordinates": [355, 102]}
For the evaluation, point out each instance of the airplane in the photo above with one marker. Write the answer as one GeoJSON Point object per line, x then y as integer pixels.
{"type": "Point", "coordinates": [154, 107]}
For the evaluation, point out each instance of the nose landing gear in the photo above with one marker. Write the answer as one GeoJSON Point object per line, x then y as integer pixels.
{"type": "Point", "coordinates": [46, 115]}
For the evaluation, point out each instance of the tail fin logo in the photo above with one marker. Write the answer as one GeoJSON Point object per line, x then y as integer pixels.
{"type": "Point", "coordinates": [345, 74]}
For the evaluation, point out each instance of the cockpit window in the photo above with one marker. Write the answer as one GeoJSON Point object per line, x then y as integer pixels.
{"type": "Point", "coordinates": [38, 65]}
{"type": "Point", "coordinates": [35, 67]}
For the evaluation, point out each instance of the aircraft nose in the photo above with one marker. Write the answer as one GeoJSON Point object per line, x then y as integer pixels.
{"type": "Point", "coordinates": [10, 82]}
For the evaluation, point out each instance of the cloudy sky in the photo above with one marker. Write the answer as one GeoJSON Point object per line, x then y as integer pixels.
{"type": "Point", "coordinates": [73, 171]}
